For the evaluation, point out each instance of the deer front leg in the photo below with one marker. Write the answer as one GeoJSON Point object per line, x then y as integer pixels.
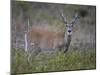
{"type": "Point", "coordinates": [67, 44]}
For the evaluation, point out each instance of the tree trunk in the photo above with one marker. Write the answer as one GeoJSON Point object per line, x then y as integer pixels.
{"type": "Point", "coordinates": [16, 43]}
{"type": "Point", "coordinates": [25, 36]}
{"type": "Point", "coordinates": [26, 43]}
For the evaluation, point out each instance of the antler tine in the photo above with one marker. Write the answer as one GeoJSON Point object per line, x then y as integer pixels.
{"type": "Point", "coordinates": [62, 15]}
{"type": "Point", "coordinates": [74, 19]}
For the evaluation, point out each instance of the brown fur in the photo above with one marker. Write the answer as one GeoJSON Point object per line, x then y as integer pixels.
{"type": "Point", "coordinates": [45, 39]}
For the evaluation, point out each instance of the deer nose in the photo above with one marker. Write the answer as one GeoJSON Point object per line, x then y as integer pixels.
{"type": "Point", "coordinates": [69, 31]}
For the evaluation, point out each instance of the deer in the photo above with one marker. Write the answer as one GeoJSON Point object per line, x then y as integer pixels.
{"type": "Point", "coordinates": [38, 39]}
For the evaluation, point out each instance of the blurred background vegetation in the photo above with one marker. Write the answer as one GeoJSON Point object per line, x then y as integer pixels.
{"type": "Point", "coordinates": [81, 54]}
{"type": "Point", "coordinates": [47, 16]}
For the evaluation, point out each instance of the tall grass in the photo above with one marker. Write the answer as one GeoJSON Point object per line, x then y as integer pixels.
{"type": "Point", "coordinates": [59, 61]}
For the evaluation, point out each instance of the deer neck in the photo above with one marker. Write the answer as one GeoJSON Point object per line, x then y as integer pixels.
{"type": "Point", "coordinates": [67, 35]}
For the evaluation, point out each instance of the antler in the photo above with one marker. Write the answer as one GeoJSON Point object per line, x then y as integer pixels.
{"type": "Point", "coordinates": [74, 19]}
{"type": "Point", "coordinates": [62, 15]}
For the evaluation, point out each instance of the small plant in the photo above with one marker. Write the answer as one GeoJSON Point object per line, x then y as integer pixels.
{"type": "Point", "coordinates": [72, 60]}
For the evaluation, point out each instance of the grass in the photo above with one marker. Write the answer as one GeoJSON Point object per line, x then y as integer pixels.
{"type": "Point", "coordinates": [72, 60]}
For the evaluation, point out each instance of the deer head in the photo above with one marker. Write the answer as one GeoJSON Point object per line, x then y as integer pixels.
{"type": "Point", "coordinates": [69, 26]}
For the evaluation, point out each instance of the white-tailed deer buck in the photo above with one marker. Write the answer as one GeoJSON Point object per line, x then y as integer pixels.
{"type": "Point", "coordinates": [42, 39]}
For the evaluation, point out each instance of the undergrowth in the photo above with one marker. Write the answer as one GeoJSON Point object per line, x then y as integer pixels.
{"type": "Point", "coordinates": [59, 61]}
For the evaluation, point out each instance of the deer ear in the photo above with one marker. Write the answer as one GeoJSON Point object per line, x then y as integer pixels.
{"type": "Point", "coordinates": [74, 19]}
{"type": "Point", "coordinates": [63, 17]}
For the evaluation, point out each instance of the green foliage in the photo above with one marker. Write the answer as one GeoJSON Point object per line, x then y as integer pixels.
{"type": "Point", "coordinates": [72, 60]}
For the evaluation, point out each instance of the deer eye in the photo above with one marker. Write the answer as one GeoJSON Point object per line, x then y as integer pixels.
{"type": "Point", "coordinates": [67, 25]}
